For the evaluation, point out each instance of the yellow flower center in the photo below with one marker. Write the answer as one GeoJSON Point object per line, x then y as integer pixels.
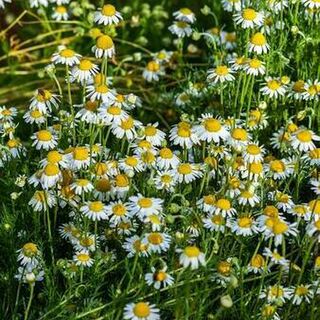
{"type": "Point", "coordinates": [144, 144]}
{"type": "Point", "coordinates": [271, 211]}
{"type": "Point", "coordinates": [108, 10]}
{"type": "Point", "coordinates": [67, 53]}
{"type": "Point", "coordinates": [191, 251]}
{"type": "Point", "coordinates": [35, 114]}
{"type": "Point", "coordinates": [82, 182]}
{"type": "Point", "coordinates": [184, 130]}
{"type": "Point", "coordinates": [81, 153]}
{"type": "Point", "coordinates": [160, 276]}
{"type": "Point", "coordinates": [279, 227]}
{"type": "Point", "coordinates": [54, 156]}
{"type": "Point", "coordinates": [181, 24]}
{"type": "Point", "coordinates": [83, 257]}
{"type": "Point", "coordinates": [224, 267]}
{"type": "Point", "coordinates": [185, 11]}
{"type": "Point", "coordinates": [304, 136]}
{"type": "Point", "coordinates": [61, 9]}
{"type": "Point", "coordinates": [44, 135]}
{"type": "Point", "coordinates": [166, 153]}
{"type": "Point", "coordinates": [222, 70]}
{"type": "Point", "coordinates": [96, 206]}
{"type": "Point", "coordinates": [212, 125]}
{"type": "Point", "coordinates": [276, 291]}
{"type": "Point", "coordinates": [166, 178]}
{"type": "Point", "coordinates": [223, 204]}
{"type": "Point", "coordinates": [273, 84]}
{"type": "Point", "coordinates": [127, 124]}
{"type": "Point", "coordinates": [43, 95]}
{"type": "Point", "coordinates": [51, 170]}
{"type": "Point", "coordinates": [258, 39]}
{"type": "Point", "coordinates": [301, 291]}
{"type": "Point", "coordinates": [114, 110]}
{"type": "Point", "coordinates": [40, 196]}
{"type": "Point", "coordinates": [268, 311]}
{"type": "Point", "coordinates": [131, 161]}
{"type": "Point", "coordinates": [150, 131]}
{"type": "Point", "coordinates": [141, 310]}
{"type": "Point", "coordinates": [161, 55]}
{"type": "Point", "coordinates": [155, 238]}
{"type": "Point", "coordinates": [119, 210]}
{"type": "Point", "coordinates": [218, 219]}
{"type": "Point", "coordinates": [185, 168]}
{"type": "Point", "coordinates": [249, 14]}
{"type": "Point", "coordinates": [257, 261]}
{"type": "Point", "coordinates": [86, 242]}
{"type": "Point", "coordinates": [100, 168]}
{"type": "Point", "coordinates": [209, 199]}
{"type": "Point", "coordinates": [101, 88]}
{"type": "Point", "coordinates": [239, 134]}
{"type": "Point", "coordinates": [317, 224]}
{"type": "Point", "coordinates": [153, 66]}
{"type": "Point", "coordinates": [30, 249]}
{"type": "Point", "coordinates": [298, 86]}
{"type": "Point", "coordinates": [145, 203]}
{"type": "Point", "coordinates": [277, 166]}
{"type": "Point", "coordinates": [315, 154]}
{"type": "Point", "coordinates": [255, 63]}
{"type": "Point", "coordinates": [314, 206]}
{"type": "Point", "coordinates": [103, 185]}
{"type": "Point", "coordinates": [85, 65]}
{"type": "Point", "coordinates": [244, 222]}
{"type": "Point", "coordinates": [91, 105]}
{"type": "Point", "coordinates": [104, 42]}
{"type": "Point", "coordinates": [122, 181]}
{"type": "Point", "coordinates": [253, 149]}
{"type": "Point", "coordinates": [6, 112]}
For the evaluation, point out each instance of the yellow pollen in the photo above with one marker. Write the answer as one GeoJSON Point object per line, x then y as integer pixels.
{"type": "Point", "coordinates": [253, 149]}
{"type": "Point", "coordinates": [141, 310]}
{"type": "Point", "coordinates": [239, 134]}
{"type": "Point", "coordinates": [218, 219]}
{"type": "Point", "coordinates": [279, 227]}
{"type": "Point", "coordinates": [61, 9]}
{"type": "Point", "coordinates": [184, 130]}
{"type": "Point", "coordinates": [166, 178]}
{"type": "Point", "coordinates": [122, 181]}
{"type": "Point", "coordinates": [150, 131]}
{"type": "Point", "coordinates": [223, 204]}
{"type": "Point", "coordinates": [249, 14]}
{"type": "Point", "coordinates": [67, 53]}
{"type": "Point", "coordinates": [85, 65]}
{"type": "Point", "coordinates": [304, 136]}
{"type": "Point", "coordinates": [91, 105]}
{"type": "Point", "coordinates": [256, 168]}
{"type": "Point", "coordinates": [255, 63]}
{"type": "Point", "coordinates": [271, 211]}
{"type": "Point", "coordinates": [209, 199]}
{"type": "Point", "coordinates": [257, 261]}
{"type": "Point", "coordinates": [153, 66]}
{"type": "Point", "coordinates": [224, 267]}
{"type": "Point", "coordinates": [43, 95]}
{"type": "Point", "coordinates": [108, 10]}
{"type": "Point", "coordinates": [258, 39]}
{"type": "Point", "coordinates": [30, 249]}
{"type": "Point", "coordinates": [244, 222]}
{"type": "Point", "coordinates": [145, 203]}
{"type": "Point", "coordinates": [81, 153]}
{"type": "Point", "coordinates": [274, 84]}
{"type": "Point", "coordinates": [301, 290]}
{"type": "Point", "coordinates": [131, 161]}
{"type": "Point", "coordinates": [212, 125]}
{"type": "Point", "coordinates": [44, 135]}
{"type": "Point", "coordinates": [155, 238]}
{"type": "Point", "coordinates": [82, 182]}
{"type": "Point", "coordinates": [54, 156]}
{"type": "Point", "coordinates": [127, 124]}
{"type": "Point", "coordinates": [103, 185]}
{"type": "Point", "coordinates": [160, 276]}
{"type": "Point", "coordinates": [115, 111]}
{"type": "Point", "coordinates": [51, 170]}
{"type": "Point", "coordinates": [222, 70]}
{"type": "Point", "coordinates": [277, 166]}
{"type": "Point", "coordinates": [185, 11]}
{"type": "Point", "coordinates": [166, 153]}
{"type": "Point", "coordinates": [315, 154]}
{"type": "Point", "coordinates": [101, 88]}
{"type": "Point", "coordinates": [83, 257]}
{"type": "Point", "coordinates": [35, 114]}
{"type": "Point", "coordinates": [191, 251]}
{"type": "Point", "coordinates": [119, 210]}
{"type": "Point", "coordinates": [185, 168]}
{"type": "Point", "coordinates": [12, 143]}
{"type": "Point", "coordinates": [96, 206]}
{"type": "Point", "coordinates": [104, 42]}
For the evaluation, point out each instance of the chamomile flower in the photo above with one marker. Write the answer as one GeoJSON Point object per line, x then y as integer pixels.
{"type": "Point", "coordinates": [44, 139]}
{"type": "Point", "coordinates": [131, 164]}
{"type": "Point", "coordinates": [280, 229]}
{"type": "Point", "coordinates": [184, 134]}
{"type": "Point", "coordinates": [228, 39]}
{"type": "Point", "coordinates": [215, 222]}
{"type": "Point", "coordinates": [185, 14]}
{"type": "Point", "coordinates": [79, 158]}
{"type": "Point", "coordinates": [188, 172]}
{"type": "Point", "coordinates": [82, 258]}
{"type": "Point", "coordinates": [243, 226]}
{"type": "Point", "coordinates": [255, 67]}
{"type": "Point", "coordinates": [66, 56]}
{"type": "Point", "coordinates": [279, 169]}
{"type": "Point", "coordinates": [191, 256]}
{"type": "Point", "coordinates": [84, 71]}
{"type": "Point", "coordinates": [211, 129]}
{"type": "Point", "coordinates": [38, 3]}
{"type": "Point", "coordinates": [300, 211]}
{"type": "Point", "coordinates": [152, 71]}
{"type": "Point", "coordinates": [50, 176]}
{"type": "Point", "coordinates": [41, 200]}
{"type": "Point", "coordinates": [94, 210]}
{"type": "Point", "coordinates": [167, 159]}
{"type": "Point", "coordinates": [34, 116]}
{"type": "Point", "coordinates": [136, 246]}
{"type": "Point", "coordinates": [248, 197]}
{"type": "Point", "coordinates": [141, 311]}
{"type": "Point", "coordinates": [163, 56]}
{"type": "Point", "coordinates": [107, 15]}
{"type": "Point", "coordinates": [112, 114]}
{"type": "Point", "coordinates": [104, 47]}
{"type": "Point", "coordinates": [181, 29]}
{"type": "Point", "coordinates": [29, 255]}
{"type": "Point", "coordinates": [314, 156]}
{"type": "Point", "coordinates": [60, 13]}
{"type": "Point", "coordinates": [313, 229]}
{"type": "Point", "coordinates": [86, 242]}
{"type": "Point", "coordinates": [82, 186]}
{"type": "Point", "coordinates": [118, 211]}
{"type": "Point", "coordinates": [158, 242]}
{"type": "Point", "coordinates": [7, 114]}
{"type": "Point", "coordinates": [257, 264]}
{"type": "Point", "coordinates": [275, 293]}
{"type": "Point", "coordinates": [143, 206]}
{"type": "Point", "coordinates": [165, 180]}
{"type": "Point", "coordinates": [126, 128]}
{"type": "Point", "coordinates": [248, 18]}
{"type": "Point", "coordinates": [277, 5]}
{"type": "Point", "coordinates": [101, 92]}
{"type": "Point", "coordinates": [297, 89]}
{"type": "Point", "coordinates": [220, 74]}
{"type": "Point", "coordinates": [300, 293]}
{"type": "Point", "coordinates": [276, 257]}
{"type": "Point", "coordinates": [159, 278]}
{"type": "Point", "coordinates": [153, 134]}
{"type": "Point", "coordinates": [88, 111]}
{"type": "Point", "coordinates": [258, 44]}
{"type": "Point", "coordinates": [303, 139]}
{"type": "Point", "coordinates": [273, 88]}
{"type": "Point", "coordinates": [253, 153]}
{"type": "Point", "coordinates": [43, 100]}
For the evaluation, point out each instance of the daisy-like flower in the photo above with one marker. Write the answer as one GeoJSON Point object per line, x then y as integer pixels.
{"type": "Point", "coordinates": [231, 5]}
{"type": "Point", "coordinates": [131, 164]}
{"type": "Point", "coordinates": [29, 255]}
{"type": "Point", "coordinates": [112, 114]}
{"type": "Point", "coordinates": [188, 172]}
{"type": "Point", "coordinates": [283, 200]}
{"type": "Point", "coordinates": [34, 116]}
{"type": "Point", "coordinates": [104, 47]}
{"type": "Point", "coordinates": [228, 39]}
{"type": "Point", "coordinates": [211, 129]}
{"type": "Point", "coordinates": [167, 159]}
{"type": "Point", "coordinates": [303, 139]}
{"type": "Point", "coordinates": [300, 211]}
{"type": "Point", "coordinates": [248, 18]}
{"type": "Point", "coordinates": [215, 222]}
{"type": "Point", "coordinates": [60, 13]}
{"type": "Point", "coordinates": [43, 100]}
{"type": "Point", "coordinates": [163, 56]}
{"type": "Point", "coordinates": [275, 257]}
{"type": "Point", "coordinates": [220, 74]}
{"type": "Point", "coordinates": [159, 278]}
{"type": "Point", "coordinates": [153, 134]}
{"type": "Point", "coordinates": [279, 169]}
{"type": "Point", "coordinates": [141, 311]}
{"type": "Point", "coordinates": [238, 63]}
{"type": "Point", "coordinates": [118, 211]}
{"type": "Point", "coordinates": [50, 176]}
{"type": "Point", "coordinates": [126, 128]}
{"type": "Point", "coordinates": [136, 246]}
{"type": "Point", "coordinates": [66, 56]}
{"type": "Point", "coordinates": [258, 44]}
{"type": "Point", "coordinates": [152, 71]}
{"type": "Point", "coordinates": [297, 89]}
{"type": "Point", "coordinates": [206, 203]}
{"type": "Point", "coordinates": [243, 226]}
{"type": "Point", "coordinates": [44, 139]}
{"type": "Point", "coordinates": [84, 71]}
{"type": "Point", "coordinates": [41, 200]}
{"type": "Point", "coordinates": [311, 4]}
{"type": "Point", "coordinates": [248, 197]}
{"type": "Point", "coordinates": [191, 256]}
{"type": "Point", "coordinates": [86, 242]}
{"type": "Point", "coordinates": [101, 92]}
{"type": "Point", "coordinates": [82, 186]}
{"type": "Point", "coordinates": [255, 67]}
{"type": "Point", "coordinates": [276, 294]}
{"type": "Point", "coordinates": [38, 3]}
{"type": "Point", "coordinates": [7, 114]}
{"type": "Point", "coordinates": [257, 264]}
{"type": "Point", "coordinates": [300, 293]}
{"type": "Point", "coordinates": [314, 208]}
{"type": "Point", "coordinates": [280, 229]}
{"type": "Point", "coordinates": [142, 206]}
{"type": "Point", "coordinates": [253, 153]}
{"type": "Point", "coordinates": [184, 134]}
{"type": "Point", "coordinates": [158, 242]}
{"type": "Point", "coordinates": [238, 138]}
{"type": "Point", "coordinates": [94, 210]}
{"type": "Point", "coordinates": [55, 157]}
{"type": "Point", "coordinates": [277, 5]}
{"type": "Point", "coordinates": [223, 206]}
{"type": "Point", "coordinates": [107, 15]}
{"type": "Point", "coordinates": [273, 88]}
{"type": "Point", "coordinates": [88, 111]}
{"type": "Point", "coordinates": [314, 156]}
{"type": "Point", "coordinates": [165, 180]}
{"type": "Point", "coordinates": [79, 158]}
{"type": "Point", "coordinates": [181, 29]}
{"type": "Point", "coordinates": [313, 229]}
{"type": "Point", "coordinates": [185, 14]}
{"type": "Point", "coordinates": [82, 258]}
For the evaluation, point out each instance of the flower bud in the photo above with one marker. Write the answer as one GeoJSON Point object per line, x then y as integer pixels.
{"type": "Point", "coordinates": [226, 301]}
